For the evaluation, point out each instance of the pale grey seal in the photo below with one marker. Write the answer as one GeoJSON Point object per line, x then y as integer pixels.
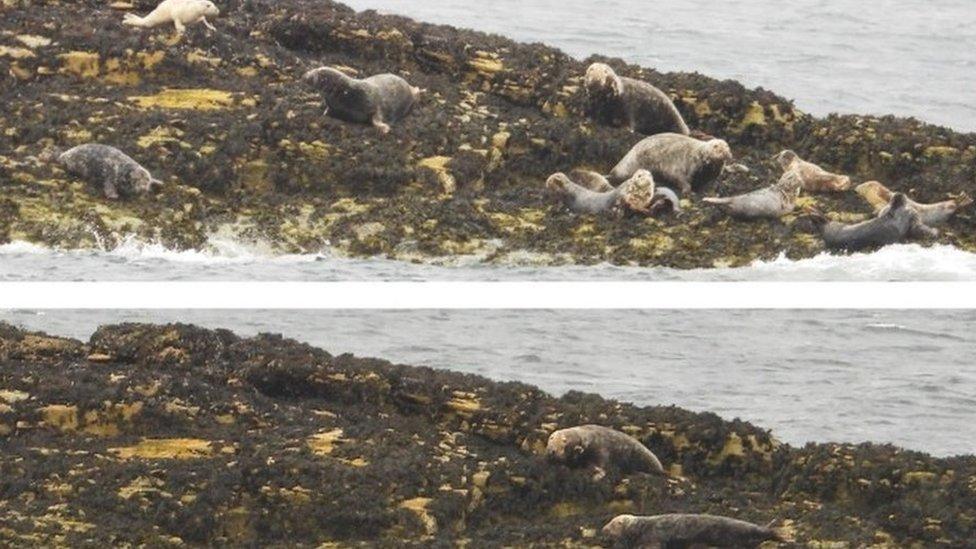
{"type": "Point", "coordinates": [878, 196]}
{"type": "Point", "coordinates": [771, 202]}
{"type": "Point", "coordinates": [686, 530]}
{"type": "Point", "coordinates": [105, 166]}
{"type": "Point", "coordinates": [379, 100]}
{"type": "Point", "coordinates": [179, 12]}
{"type": "Point", "coordinates": [635, 195]}
{"type": "Point", "coordinates": [815, 178]}
{"type": "Point", "coordinates": [598, 448]}
{"type": "Point", "coordinates": [631, 103]}
{"type": "Point", "coordinates": [676, 161]}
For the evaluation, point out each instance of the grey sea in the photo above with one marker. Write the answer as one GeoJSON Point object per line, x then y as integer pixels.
{"type": "Point", "coordinates": [842, 376]}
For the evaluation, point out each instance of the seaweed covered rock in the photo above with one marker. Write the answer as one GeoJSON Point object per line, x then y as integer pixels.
{"type": "Point", "coordinates": [242, 143]}
{"type": "Point", "coordinates": [163, 435]}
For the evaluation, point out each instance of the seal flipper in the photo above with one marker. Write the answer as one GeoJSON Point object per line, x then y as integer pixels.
{"type": "Point", "coordinates": [378, 123]}
{"type": "Point", "coordinates": [921, 231]}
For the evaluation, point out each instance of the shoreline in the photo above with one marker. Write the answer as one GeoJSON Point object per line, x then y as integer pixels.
{"type": "Point", "coordinates": [207, 437]}
{"type": "Point", "coordinates": [245, 151]}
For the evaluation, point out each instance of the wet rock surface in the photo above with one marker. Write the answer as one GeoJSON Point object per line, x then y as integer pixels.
{"type": "Point", "coordinates": [172, 435]}
{"type": "Point", "coordinates": [224, 119]}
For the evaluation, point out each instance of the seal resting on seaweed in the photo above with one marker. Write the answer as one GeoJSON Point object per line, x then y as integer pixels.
{"type": "Point", "coordinates": [896, 222]}
{"type": "Point", "coordinates": [815, 178]}
{"type": "Point", "coordinates": [665, 200]}
{"type": "Point", "coordinates": [675, 160]}
{"type": "Point", "coordinates": [631, 103]}
{"type": "Point", "coordinates": [636, 194]}
{"type": "Point", "coordinates": [773, 202]}
{"type": "Point", "coordinates": [598, 448]}
{"type": "Point", "coordinates": [379, 100]}
{"type": "Point", "coordinates": [111, 169]}
{"type": "Point", "coordinates": [685, 530]}
{"type": "Point", "coordinates": [179, 12]}
{"type": "Point", "coordinates": [878, 196]}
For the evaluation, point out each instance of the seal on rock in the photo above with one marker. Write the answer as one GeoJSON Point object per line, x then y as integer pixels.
{"type": "Point", "coordinates": [598, 448]}
{"type": "Point", "coordinates": [878, 196]}
{"type": "Point", "coordinates": [772, 202]}
{"type": "Point", "coordinates": [686, 530]}
{"type": "Point", "coordinates": [179, 12]}
{"type": "Point", "coordinates": [675, 160]}
{"type": "Point", "coordinates": [590, 180]}
{"type": "Point", "coordinates": [896, 222]}
{"type": "Point", "coordinates": [631, 103]}
{"type": "Point", "coordinates": [111, 169]}
{"type": "Point", "coordinates": [815, 179]}
{"type": "Point", "coordinates": [636, 194]}
{"type": "Point", "coordinates": [379, 100]}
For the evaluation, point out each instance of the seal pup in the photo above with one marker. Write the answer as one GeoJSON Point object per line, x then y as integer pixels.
{"type": "Point", "coordinates": [772, 202]}
{"type": "Point", "coordinates": [636, 194]}
{"type": "Point", "coordinates": [180, 12]}
{"type": "Point", "coordinates": [632, 103]}
{"type": "Point", "coordinates": [113, 170]}
{"type": "Point", "coordinates": [896, 222]}
{"type": "Point", "coordinates": [675, 160]}
{"type": "Point", "coordinates": [379, 100]}
{"type": "Point", "coordinates": [815, 179]}
{"type": "Point", "coordinates": [598, 448]}
{"type": "Point", "coordinates": [685, 530]}
{"type": "Point", "coordinates": [878, 196]}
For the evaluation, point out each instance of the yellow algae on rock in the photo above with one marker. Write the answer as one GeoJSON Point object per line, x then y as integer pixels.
{"type": "Point", "coordinates": [166, 448]}
{"type": "Point", "coordinates": [15, 53]}
{"type": "Point", "coordinates": [419, 506]}
{"type": "Point", "coordinates": [324, 443]}
{"type": "Point", "coordinates": [755, 116]}
{"type": "Point", "coordinates": [438, 165]}
{"type": "Point", "coordinates": [465, 404]}
{"type": "Point", "coordinates": [486, 63]}
{"type": "Point", "coordinates": [200, 99]}
{"type": "Point", "coordinates": [85, 64]}
{"type": "Point", "coordinates": [940, 152]}
{"type": "Point", "coordinates": [33, 41]}
{"type": "Point", "coordinates": [13, 397]}
{"type": "Point", "coordinates": [160, 135]}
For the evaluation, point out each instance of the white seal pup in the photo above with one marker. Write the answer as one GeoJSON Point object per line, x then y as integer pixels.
{"type": "Point", "coordinates": [815, 178]}
{"type": "Point", "coordinates": [676, 161]}
{"type": "Point", "coordinates": [896, 222]}
{"type": "Point", "coordinates": [598, 448]}
{"type": "Point", "coordinates": [636, 195]}
{"type": "Point", "coordinates": [771, 202]}
{"type": "Point", "coordinates": [379, 100]}
{"type": "Point", "coordinates": [179, 12]}
{"type": "Point", "coordinates": [107, 167]}
{"type": "Point", "coordinates": [685, 530]}
{"type": "Point", "coordinates": [631, 103]}
{"type": "Point", "coordinates": [878, 196]}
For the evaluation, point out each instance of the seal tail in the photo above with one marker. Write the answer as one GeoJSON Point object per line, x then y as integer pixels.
{"type": "Point", "coordinates": [50, 154]}
{"type": "Point", "coordinates": [133, 20]}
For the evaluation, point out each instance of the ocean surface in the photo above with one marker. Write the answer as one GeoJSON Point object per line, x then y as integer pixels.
{"type": "Point", "coordinates": [843, 376]}
{"type": "Point", "coordinates": [904, 57]}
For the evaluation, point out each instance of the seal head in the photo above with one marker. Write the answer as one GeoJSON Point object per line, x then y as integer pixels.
{"type": "Point", "coordinates": [345, 98]}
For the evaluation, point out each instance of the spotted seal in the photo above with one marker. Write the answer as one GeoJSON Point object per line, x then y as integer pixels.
{"type": "Point", "coordinates": [111, 169]}
{"type": "Point", "coordinates": [878, 196]}
{"type": "Point", "coordinates": [686, 530]}
{"type": "Point", "coordinates": [598, 448]}
{"type": "Point", "coordinates": [634, 195]}
{"type": "Point", "coordinates": [676, 161]}
{"type": "Point", "coordinates": [179, 12]}
{"type": "Point", "coordinates": [631, 103]}
{"type": "Point", "coordinates": [773, 202]}
{"type": "Point", "coordinates": [664, 201]}
{"type": "Point", "coordinates": [379, 100]}
{"type": "Point", "coordinates": [815, 179]}
{"type": "Point", "coordinates": [895, 223]}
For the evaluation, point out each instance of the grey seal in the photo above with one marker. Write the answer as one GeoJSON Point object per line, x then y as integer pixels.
{"type": "Point", "coordinates": [676, 161]}
{"type": "Point", "coordinates": [878, 196]}
{"type": "Point", "coordinates": [686, 530]}
{"type": "Point", "coordinates": [815, 179]}
{"type": "Point", "coordinates": [379, 100]}
{"type": "Point", "coordinates": [664, 201]}
{"type": "Point", "coordinates": [772, 202]}
{"type": "Point", "coordinates": [636, 194]}
{"type": "Point", "coordinates": [179, 12]}
{"type": "Point", "coordinates": [116, 173]}
{"type": "Point", "coordinates": [597, 447]}
{"type": "Point", "coordinates": [896, 222]}
{"type": "Point", "coordinates": [631, 103]}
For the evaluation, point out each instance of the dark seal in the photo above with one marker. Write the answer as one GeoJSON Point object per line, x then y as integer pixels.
{"type": "Point", "coordinates": [634, 104]}
{"type": "Point", "coordinates": [896, 223]}
{"type": "Point", "coordinates": [107, 167]}
{"type": "Point", "coordinates": [598, 448]}
{"type": "Point", "coordinates": [680, 530]}
{"type": "Point", "coordinates": [379, 100]}
{"type": "Point", "coordinates": [676, 161]}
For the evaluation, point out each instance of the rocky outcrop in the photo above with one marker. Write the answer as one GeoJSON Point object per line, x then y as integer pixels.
{"type": "Point", "coordinates": [172, 435]}
{"type": "Point", "coordinates": [223, 118]}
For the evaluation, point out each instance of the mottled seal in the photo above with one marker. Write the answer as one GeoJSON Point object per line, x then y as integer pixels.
{"type": "Point", "coordinates": [896, 222]}
{"type": "Point", "coordinates": [379, 100]}
{"type": "Point", "coordinates": [179, 12]}
{"type": "Point", "coordinates": [771, 202]}
{"type": "Point", "coordinates": [676, 161]}
{"type": "Point", "coordinates": [598, 448]}
{"type": "Point", "coordinates": [635, 195]}
{"type": "Point", "coordinates": [815, 178]}
{"type": "Point", "coordinates": [631, 103]}
{"type": "Point", "coordinates": [878, 196]}
{"type": "Point", "coordinates": [684, 530]}
{"type": "Point", "coordinates": [105, 166]}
